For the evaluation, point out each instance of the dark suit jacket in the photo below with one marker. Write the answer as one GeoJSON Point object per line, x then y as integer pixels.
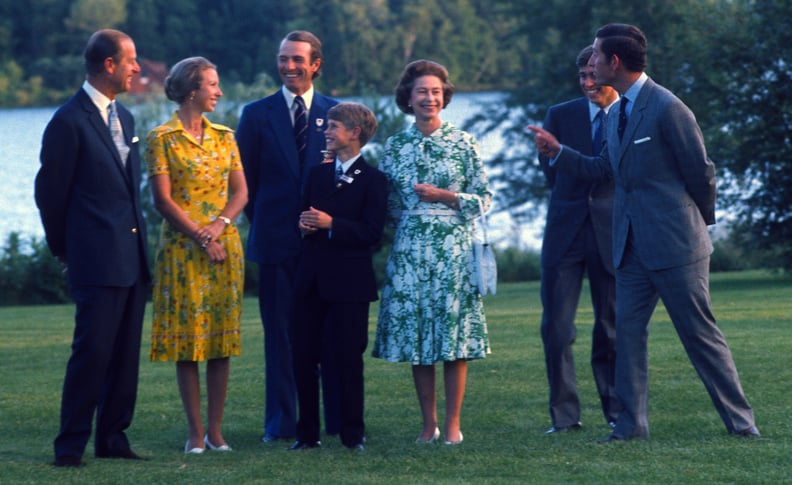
{"type": "Point", "coordinates": [340, 264]}
{"type": "Point", "coordinates": [269, 155]}
{"type": "Point", "coordinates": [88, 200]}
{"type": "Point", "coordinates": [574, 199]}
{"type": "Point", "coordinates": [665, 184]}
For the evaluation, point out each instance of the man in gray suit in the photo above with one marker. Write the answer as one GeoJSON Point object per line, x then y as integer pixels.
{"type": "Point", "coordinates": [577, 242]}
{"type": "Point", "coordinates": [664, 200]}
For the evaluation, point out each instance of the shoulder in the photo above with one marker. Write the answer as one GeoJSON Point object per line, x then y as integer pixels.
{"type": "Point", "coordinates": [569, 106]}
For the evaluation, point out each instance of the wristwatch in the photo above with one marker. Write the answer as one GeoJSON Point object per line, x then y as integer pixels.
{"type": "Point", "coordinates": [225, 219]}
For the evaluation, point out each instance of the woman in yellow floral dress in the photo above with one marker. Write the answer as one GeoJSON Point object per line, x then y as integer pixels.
{"type": "Point", "coordinates": [199, 188]}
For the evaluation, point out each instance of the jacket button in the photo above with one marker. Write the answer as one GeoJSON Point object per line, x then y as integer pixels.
{"type": "Point", "coordinates": [134, 230]}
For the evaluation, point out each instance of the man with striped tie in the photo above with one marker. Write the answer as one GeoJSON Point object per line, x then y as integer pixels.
{"type": "Point", "coordinates": [280, 139]}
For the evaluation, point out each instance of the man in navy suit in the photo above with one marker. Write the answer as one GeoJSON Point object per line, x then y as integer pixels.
{"type": "Point", "coordinates": [276, 170]}
{"type": "Point", "coordinates": [344, 205]}
{"type": "Point", "coordinates": [88, 194]}
{"type": "Point", "coordinates": [577, 241]}
{"type": "Point", "coordinates": [664, 199]}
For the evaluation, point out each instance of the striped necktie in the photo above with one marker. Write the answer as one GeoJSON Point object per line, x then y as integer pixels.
{"type": "Point", "coordinates": [300, 128]}
{"type": "Point", "coordinates": [115, 131]}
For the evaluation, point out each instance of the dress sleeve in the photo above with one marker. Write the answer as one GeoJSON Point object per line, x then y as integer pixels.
{"type": "Point", "coordinates": [476, 186]}
{"type": "Point", "coordinates": [156, 160]}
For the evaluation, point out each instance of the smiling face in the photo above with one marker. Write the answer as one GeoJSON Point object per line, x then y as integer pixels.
{"type": "Point", "coordinates": [600, 95]}
{"type": "Point", "coordinates": [209, 92]}
{"type": "Point", "coordinates": [426, 97]}
{"type": "Point", "coordinates": [339, 138]}
{"type": "Point", "coordinates": [295, 67]}
{"type": "Point", "coordinates": [120, 72]}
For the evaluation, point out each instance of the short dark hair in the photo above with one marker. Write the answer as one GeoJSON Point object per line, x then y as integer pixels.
{"type": "Point", "coordinates": [355, 114]}
{"type": "Point", "coordinates": [627, 42]}
{"type": "Point", "coordinates": [413, 71]}
{"type": "Point", "coordinates": [185, 76]}
{"type": "Point", "coordinates": [101, 45]}
{"type": "Point", "coordinates": [584, 56]}
{"type": "Point", "coordinates": [316, 46]}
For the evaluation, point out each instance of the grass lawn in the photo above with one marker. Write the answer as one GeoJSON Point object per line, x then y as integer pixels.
{"type": "Point", "coordinates": [504, 413]}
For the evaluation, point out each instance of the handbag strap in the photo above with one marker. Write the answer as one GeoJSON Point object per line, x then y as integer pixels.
{"type": "Point", "coordinates": [483, 222]}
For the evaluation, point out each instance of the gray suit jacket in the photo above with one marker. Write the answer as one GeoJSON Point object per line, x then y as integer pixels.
{"type": "Point", "coordinates": [665, 184]}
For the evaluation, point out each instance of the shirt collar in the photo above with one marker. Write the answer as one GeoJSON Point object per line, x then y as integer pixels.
{"type": "Point", "coordinates": [594, 109]}
{"type": "Point", "coordinates": [100, 100]}
{"type": "Point", "coordinates": [346, 165]}
{"type": "Point", "coordinates": [632, 91]}
{"type": "Point", "coordinates": [306, 96]}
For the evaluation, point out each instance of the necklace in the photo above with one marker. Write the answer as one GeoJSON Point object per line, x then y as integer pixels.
{"type": "Point", "coordinates": [197, 134]}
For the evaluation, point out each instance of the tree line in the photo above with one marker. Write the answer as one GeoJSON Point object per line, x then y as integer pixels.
{"type": "Point", "coordinates": [729, 60]}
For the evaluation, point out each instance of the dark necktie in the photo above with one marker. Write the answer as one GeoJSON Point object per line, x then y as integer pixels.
{"type": "Point", "coordinates": [596, 140]}
{"type": "Point", "coordinates": [115, 131]}
{"type": "Point", "coordinates": [338, 173]}
{"type": "Point", "coordinates": [300, 127]}
{"type": "Point", "coordinates": [622, 116]}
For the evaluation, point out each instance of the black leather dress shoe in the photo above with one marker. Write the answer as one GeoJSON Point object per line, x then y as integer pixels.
{"type": "Point", "coordinates": [68, 461]}
{"type": "Point", "coordinates": [304, 445]}
{"type": "Point", "coordinates": [127, 454]}
{"type": "Point", "coordinates": [610, 438]}
{"type": "Point", "coordinates": [752, 432]}
{"type": "Point", "coordinates": [560, 429]}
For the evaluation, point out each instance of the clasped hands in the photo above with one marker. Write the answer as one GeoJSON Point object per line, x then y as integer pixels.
{"type": "Point", "coordinates": [313, 219]}
{"type": "Point", "coordinates": [207, 236]}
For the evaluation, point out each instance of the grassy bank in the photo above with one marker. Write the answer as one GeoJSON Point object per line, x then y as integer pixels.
{"type": "Point", "coordinates": [504, 414]}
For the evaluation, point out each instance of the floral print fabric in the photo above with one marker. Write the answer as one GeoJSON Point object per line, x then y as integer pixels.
{"type": "Point", "coordinates": [430, 310]}
{"type": "Point", "coordinates": [197, 304]}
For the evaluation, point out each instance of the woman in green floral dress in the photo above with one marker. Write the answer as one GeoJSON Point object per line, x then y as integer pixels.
{"type": "Point", "coordinates": [431, 311]}
{"type": "Point", "coordinates": [199, 188]}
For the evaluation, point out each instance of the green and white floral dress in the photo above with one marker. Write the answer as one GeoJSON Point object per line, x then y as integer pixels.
{"type": "Point", "coordinates": [430, 310]}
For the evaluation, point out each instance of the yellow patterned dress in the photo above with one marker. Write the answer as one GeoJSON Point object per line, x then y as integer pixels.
{"type": "Point", "coordinates": [197, 304]}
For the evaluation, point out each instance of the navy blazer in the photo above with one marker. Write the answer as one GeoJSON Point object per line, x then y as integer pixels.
{"type": "Point", "coordinates": [265, 138]}
{"type": "Point", "coordinates": [665, 183]}
{"type": "Point", "coordinates": [574, 199]}
{"type": "Point", "coordinates": [341, 263]}
{"type": "Point", "coordinates": [88, 199]}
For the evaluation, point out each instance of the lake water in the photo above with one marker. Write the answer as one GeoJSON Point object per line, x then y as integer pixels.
{"type": "Point", "coordinates": [20, 143]}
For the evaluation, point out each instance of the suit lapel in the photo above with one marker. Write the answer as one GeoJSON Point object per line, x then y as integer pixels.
{"type": "Point", "coordinates": [103, 132]}
{"type": "Point", "coordinates": [284, 132]}
{"type": "Point", "coordinates": [637, 114]}
{"type": "Point", "coordinates": [355, 172]}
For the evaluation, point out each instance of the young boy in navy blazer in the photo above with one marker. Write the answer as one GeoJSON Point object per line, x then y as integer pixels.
{"type": "Point", "coordinates": [344, 206]}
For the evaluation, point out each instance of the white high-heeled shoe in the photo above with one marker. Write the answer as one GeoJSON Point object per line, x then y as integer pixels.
{"type": "Point", "coordinates": [433, 439]}
{"type": "Point", "coordinates": [192, 451]}
{"type": "Point", "coordinates": [213, 447]}
{"type": "Point", "coordinates": [455, 442]}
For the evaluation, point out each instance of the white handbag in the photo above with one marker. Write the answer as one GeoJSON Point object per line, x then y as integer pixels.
{"type": "Point", "coordinates": [485, 268]}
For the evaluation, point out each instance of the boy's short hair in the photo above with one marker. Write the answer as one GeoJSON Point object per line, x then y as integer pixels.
{"type": "Point", "coordinates": [352, 114]}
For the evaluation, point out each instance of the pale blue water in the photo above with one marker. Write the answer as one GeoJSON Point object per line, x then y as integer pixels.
{"type": "Point", "coordinates": [20, 143]}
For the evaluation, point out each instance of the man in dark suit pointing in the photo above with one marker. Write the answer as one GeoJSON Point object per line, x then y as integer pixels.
{"type": "Point", "coordinates": [88, 194]}
{"type": "Point", "coordinates": [664, 199]}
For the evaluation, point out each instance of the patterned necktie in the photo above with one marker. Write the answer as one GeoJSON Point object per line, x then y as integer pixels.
{"type": "Point", "coordinates": [622, 116]}
{"type": "Point", "coordinates": [300, 128]}
{"type": "Point", "coordinates": [338, 173]}
{"type": "Point", "coordinates": [596, 140]}
{"type": "Point", "coordinates": [115, 131]}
